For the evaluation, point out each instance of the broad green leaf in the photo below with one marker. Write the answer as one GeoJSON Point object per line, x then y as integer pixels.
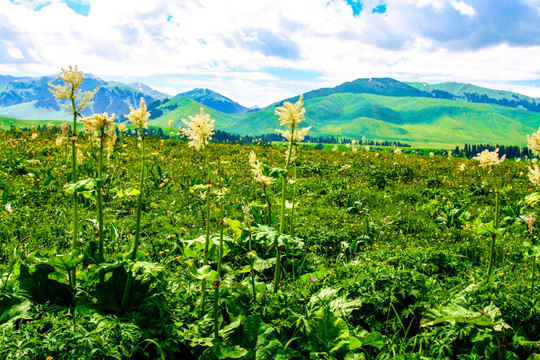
{"type": "Point", "coordinates": [205, 272]}
{"type": "Point", "coordinates": [273, 172]}
{"type": "Point", "coordinates": [66, 262]}
{"type": "Point", "coordinates": [532, 199]}
{"type": "Point", "coordinates": [236, 227]}
{"type": "Point", "coordinates": [375, 339]}
{"type": "Point", "coordinates": [5, 196]}
{"type": "Point", "coordinates": [195, 248]}
{"type": "Point", "coordinates": [13, 309]}
{"type": "Point", "coordinates": [42, 289]}
{"type": "Point", "coordinates": [262, 264]}
{"type": "Point", "coordinates": [332, 331]}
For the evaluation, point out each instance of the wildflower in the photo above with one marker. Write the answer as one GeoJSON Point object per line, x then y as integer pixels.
{"type": "Point", "coordinates": [450, 154]}
{"type": "Point", "coordinates": [50, 126]}
{"type": "Point", "coordinates": [34, 136]}
{"type": "Point", "coordinates": [345, 167]}
{"type": "Point", "coordinates": [80, 156]}
{"type": "Point", "coordinates": [60, 140]}
{"type": "Point", "coordinates": [73, 79]}
{"type": "Point", "coordinates": [8, 208]}
{"type": "Point", "coordinates": [293, 154]}
{"type": "Point", "coordinates": [431, 154]}
{"type": "Point", "coordinates": [397, 151]}
{"type": "Point", "coordinates": [291, 114]}
{"type": "Point", "coordinates": [530, 223]}
{"type": "Point", "coordinates": [335, 148]}
{"type": "Point", "coordinates": [257, 172]}
{"type": "Point", "coordinates": [122, 127]}
{"type": "Point", "coordinates": [199, 130]}
{"type": "Point", "coordinates": [462, 167]}
{"type": "Point", "coordinates": [299, 134]}
{"type": "Point", "coordinates": [489, 158]}
{"type": "Point", "coordinates": [64, 129]}
{"type": "Point", "coordinates": [533, 142]}
{"type": "Point", "coordinates": [534, 175]}
{"type": "Point", "coordinates": [97, 122]}
{"type": "Point", "coordinates": [313, 279]}
{"type": "Point", "coordinates": [171, 123]}
{"type": "Point", "coordinates": [139, 117]}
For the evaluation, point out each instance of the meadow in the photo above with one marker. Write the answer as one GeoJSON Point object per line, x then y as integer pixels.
{"type": "Point", "coordinates": [382, 255]}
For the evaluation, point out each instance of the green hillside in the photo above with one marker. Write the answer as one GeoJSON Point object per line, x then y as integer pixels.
{"type": "Point", "coordinates": [181, 108]}
{"type": "Point", "coordinates": [416, 120]}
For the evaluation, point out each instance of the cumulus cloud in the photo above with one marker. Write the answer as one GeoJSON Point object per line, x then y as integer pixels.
{"type": "Point", "coordinates": [234, 44]}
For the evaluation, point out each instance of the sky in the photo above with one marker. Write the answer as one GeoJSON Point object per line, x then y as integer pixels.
{"type": "Point", "coordinates": [257, 52]}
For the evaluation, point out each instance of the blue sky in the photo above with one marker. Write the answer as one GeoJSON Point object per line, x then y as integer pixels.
{"type": "Point", "coordinates": [259, 52]}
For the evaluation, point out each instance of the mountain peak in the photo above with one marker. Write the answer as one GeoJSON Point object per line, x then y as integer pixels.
{"type": "Point", "coordinates": [214, 100]}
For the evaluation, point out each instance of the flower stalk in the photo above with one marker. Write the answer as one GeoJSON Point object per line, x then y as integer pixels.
{"type": "Point", "coordinates": [70, 90]}
{"type": "Point", "coordinates": [494, 235]}
{"type": "Point", "coordinates": [207, 225]}
{"type": "Point", "coordinates": [139, 118]}
{"type": "Point", "coordinates": [220, 259]}
{"type": "Point", "coordinates": [291, 115]}
{"type": "Point", "coordinates": [199, 131]}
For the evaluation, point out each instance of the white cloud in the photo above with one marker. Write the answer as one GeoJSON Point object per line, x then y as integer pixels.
{"type": "Point", "coordinates": [229, 45]}
{"type": "Point", "coordinates": [13, 51]}
{"type": "Point", "coordinates": [463, 8]}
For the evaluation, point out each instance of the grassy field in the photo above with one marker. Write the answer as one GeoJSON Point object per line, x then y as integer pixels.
{"type": "Point", "coordinates": [383, 255]}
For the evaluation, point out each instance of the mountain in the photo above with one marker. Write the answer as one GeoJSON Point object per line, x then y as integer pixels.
{"type": "Point", "coordinates": [375, 86]}
{"type": "Point", "coordinates": [214, 100]}
{"type": "Point", "coordinates": [30, 98]}
{"type": "Point", "coordinates": [149, 91]}
{"type": "Point", "coordinates": [361, 108]}
{"type": "Point", "coordinates": [443, 115]}
{"type": "Point", "coordinates": [477, 94]}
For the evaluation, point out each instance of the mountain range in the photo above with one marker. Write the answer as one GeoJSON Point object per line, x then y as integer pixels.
{"type": "Point", "coordinates": [378, 108]}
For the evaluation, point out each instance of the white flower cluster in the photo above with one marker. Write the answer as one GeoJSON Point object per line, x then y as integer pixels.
{"type": "Point", "coordinates": [257, 172]}
{"type": "Point", "coordinates": [489, 158]}
{"type": "Point", "coordinates": [533, 143]}
{"type": "Point", "coordinates": [199, 130]}
{"type": "Point", "coordinates": [291, 114]}
{"type": "Point", "coordinates": [299, 134]}
{"type": "Point", "coordinates": [97, 122]}
{"type": "Point", "coordinates": [139, 117]}
{"type": "Point", "coordinates": [73, 79]}
{"type": "Point", "coordinates": [534, 175]}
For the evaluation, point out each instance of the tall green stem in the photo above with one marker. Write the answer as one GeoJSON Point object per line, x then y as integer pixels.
{"type": "Point", "coordinates": [269, 207]}
{"type": "Point", "coordinates": [218, 282]}
{"type": "Point", "coordinates": [133, 256]}
{"type": "Point", "coordinates": [533, 273]}
{"type": "Point", "coordinates": [100, 198]}
{"type": "Point", "coordinates": [277, 273]}
{"type": "Point", "coordinates": [494, 235]}
{"type": "Point", "coordinates": [207, 234]}
{"type": "Point", "coordinates": [251, 265]}
{"type": "Point", "coordinates": [73, 273]}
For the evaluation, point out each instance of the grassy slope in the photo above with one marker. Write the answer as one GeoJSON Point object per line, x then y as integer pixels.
{"type": "Point", "coordinates": [460, 89]}
{"type": "Point", "coordinates": [28, 111]}
{"type": "Point", "coordinates": [186, 107]}
{"type": "Point", "coordinates": [420, 121]}
{"type": "Point", "coordinates": [416, 120]}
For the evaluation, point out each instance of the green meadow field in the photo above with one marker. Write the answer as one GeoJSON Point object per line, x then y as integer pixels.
{"type": "Point", "coordinates": [383, 255]}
